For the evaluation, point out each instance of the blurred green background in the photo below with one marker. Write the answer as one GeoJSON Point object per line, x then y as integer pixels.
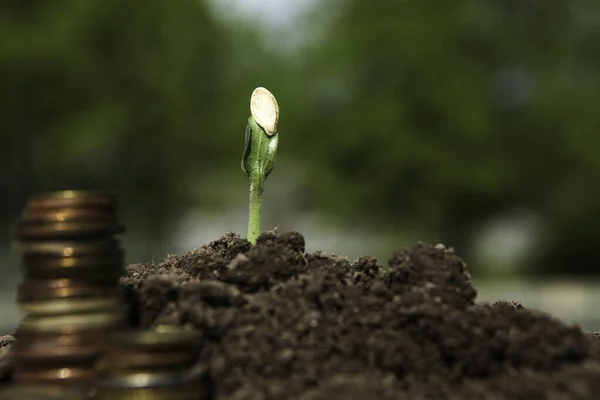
{"type": "Point", "coordinates": [468, 122]}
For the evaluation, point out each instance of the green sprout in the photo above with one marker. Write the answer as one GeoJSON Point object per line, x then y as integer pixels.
{"type": "Point", "coordinates": [260, 152]}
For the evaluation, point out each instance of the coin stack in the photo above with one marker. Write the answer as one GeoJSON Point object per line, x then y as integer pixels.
{"type": "Point", "coordinates": [151, 365]}
{"type": "Point", "coordinates": [40, 393]}
{"type": "Point", "coordinates": [71, 263]}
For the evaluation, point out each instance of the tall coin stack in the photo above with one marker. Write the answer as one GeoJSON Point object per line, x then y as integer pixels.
{"type": "Point", "coordinates": [150, 365]}
{"type": "Point", "coordinates": [71, 263]}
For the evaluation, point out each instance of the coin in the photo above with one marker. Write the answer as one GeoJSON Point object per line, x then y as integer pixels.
{"type": "Point", "coordinates": [43, 392]}
{"type": "Point", "coordinates": [69, 306]}
{"type": "Point", "coordinates": [171, 393]}
{"type": "Point", "coordinates": [37, 353]}
{"type": "Point", "coordinates": [71, 262]}
{"type": "Point", "coordinates": [96, 273]}
{"type": "Point", "coordinates": [32, 290]}
{"type": "Point", "coordinates": [163, 338]}
{"type": "Point", "coordinates": [75, 323]}
{"type": "Point", "coordinates": [108, 267]}
{"type": "Point", "coordinates": [128, 359]}
{"type": "Point", "coordinates": [36, 349]}
{"type": "Point", "coordinates": [67, 248]}
{"type": "Point", "coordinates": [52, 339]}
{"type": "Point", "coordinates": [134, 380]}
{"type": "Point", "coordinates": [64, 375]}
{"type": "Point", "coordinates": [71, 265]}
{"type": "Point", "coordinates": [71, 198]}
{"type": "Point", "coordinates": [68, 214]}
{"type": "Point", "coordinates": [163, 347]}
{"type": "Point", "coordinates": [150, 386]}
{"type": "Point", "coordinates": [40, 346]}
{"type": "Point", "coordinates": [26, 230]}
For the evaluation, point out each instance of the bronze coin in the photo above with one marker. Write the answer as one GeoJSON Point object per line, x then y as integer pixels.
{"type": "Point", "coordinates": [136, 379]}
{"type": "Point", "coordinates": [52, 339]}
{"type": "Point", "coordinates": [65, 375]}
{"type": "Point", "coordinates": [59, 230]}
{"type": "Point", "coordinates": [60, 249]}
{"type": "Point", "coordinates": [70, 198]}
{"type": "Point", "coordinates": [95, 273]}
{"type": "Point", "coordinates": [71, 262]}
{"type": "Point", "coordinates": [70, 305]}
{"type": "Point", "coordinates": [117, 359]}
{"type": "Point", "coordinates": [105, 277]}
{"type": "Point", "coordinates": [162, 338]}
{"type": "Point", "coordinates": [68, 215]}
{"type": "Point", "coordinates": [32, 290]}
{"type": "Point", "coordinates": [42, 392]}
{"type": "Point", "coordinates": [163, 393]}
{"type": "Point", "coordinates": [38, 353]}
{"type": "Point", "coordinates": [74, 323]}
{"type": "Point", "coordinates": [54, 347]}
{"type": "Point", "coordinates": [54, 265]}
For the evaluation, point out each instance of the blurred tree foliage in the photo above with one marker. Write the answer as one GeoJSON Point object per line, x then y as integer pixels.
{"type": "Point", "coordinates": [109, 95]}
{"type": "Point", "coordinates": [438, 115]}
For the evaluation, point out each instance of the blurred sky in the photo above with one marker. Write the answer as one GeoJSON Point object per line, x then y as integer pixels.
{"type": "Point", "coordinates": [278, 14]}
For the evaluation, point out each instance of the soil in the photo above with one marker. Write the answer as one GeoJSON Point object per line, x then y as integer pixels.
{"type": "Point", "coordinates": [280, 323]}
{"type": "Point", "coordinates": [6, 343]}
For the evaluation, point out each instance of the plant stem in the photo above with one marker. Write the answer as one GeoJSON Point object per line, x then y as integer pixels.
{"type": "Point", "coordinates": [256, 194]}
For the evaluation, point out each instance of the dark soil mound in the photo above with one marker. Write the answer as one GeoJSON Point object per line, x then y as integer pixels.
{"type": "Point", "coordinates": [282, 324]}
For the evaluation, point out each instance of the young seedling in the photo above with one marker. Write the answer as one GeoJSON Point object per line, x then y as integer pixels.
{"type": "Point", "coordinates": [260, 152]}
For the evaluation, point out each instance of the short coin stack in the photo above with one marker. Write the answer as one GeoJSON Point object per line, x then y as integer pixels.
{"type": "Point", "coordinates": [151, 365]}
{"type": "Point", "coordinates": [71, 263]}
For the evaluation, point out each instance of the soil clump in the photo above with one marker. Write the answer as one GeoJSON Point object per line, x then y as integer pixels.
{"type": "Point", "coordinates": [6, 344]}
{"type": "Point", "coordinates": [280, 323]}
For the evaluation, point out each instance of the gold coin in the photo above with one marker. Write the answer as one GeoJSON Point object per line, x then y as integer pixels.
{"type": "Point", "coordinates": [69, 306]}
{"type": "Point", "coordinates": [32, 290]}
{"type": "Point", "coordinates": [67, 248]}
{"type": "Point", "coordinates": [74, 323]}
{"type": "Point", "coordinates": [171, 337]}
{"type": "Point", "coordinates": [26, 230]}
